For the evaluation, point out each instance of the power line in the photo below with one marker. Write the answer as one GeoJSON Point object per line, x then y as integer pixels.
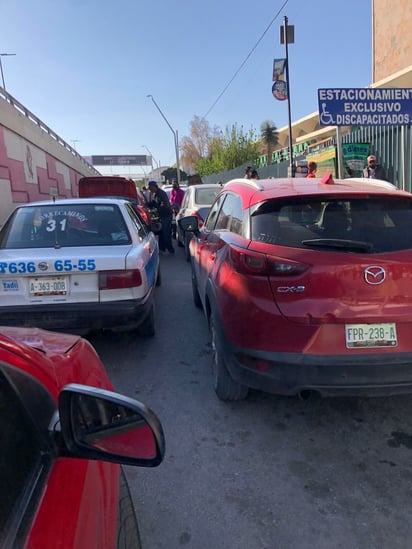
{"type": "Point", "coordinates": [247, 58]}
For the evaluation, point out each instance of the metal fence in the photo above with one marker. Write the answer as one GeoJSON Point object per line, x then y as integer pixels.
{"type": "Point", "coordinates": [392, 145]}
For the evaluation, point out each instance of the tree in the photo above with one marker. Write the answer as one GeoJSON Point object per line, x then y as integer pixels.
{"type": "Point", "coordinates": [230, 149]}
{"type": "Point", "coordinates": [197, 145]}
{"type": "Point", "coordinates": [270, 137]}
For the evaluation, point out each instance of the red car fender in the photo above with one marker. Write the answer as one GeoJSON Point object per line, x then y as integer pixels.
{"type": "Point", "coordinates": [75, 510]}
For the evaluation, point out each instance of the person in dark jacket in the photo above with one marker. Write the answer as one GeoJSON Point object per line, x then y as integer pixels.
{"type": "Point", "coordinates": [160, 201]}
{"type": "Point", "coordinates": [374, 170]}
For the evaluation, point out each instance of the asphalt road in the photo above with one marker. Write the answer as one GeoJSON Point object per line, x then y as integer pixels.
{"type": "Point", "coordinates": [266, 473]}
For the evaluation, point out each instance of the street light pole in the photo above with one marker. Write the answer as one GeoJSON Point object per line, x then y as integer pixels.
{"type": "Point", "coordinates": [175, 135]}
{"type": "Point", "coordinates": [287, 37]}
{"type": "Point", "coordinates": [1, 67]}
{"type": "Point", "coordinates": [151, 154]}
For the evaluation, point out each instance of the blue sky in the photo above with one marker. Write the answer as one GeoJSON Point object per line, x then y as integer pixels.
{"type": "Point", "coordinates": [85, 67]}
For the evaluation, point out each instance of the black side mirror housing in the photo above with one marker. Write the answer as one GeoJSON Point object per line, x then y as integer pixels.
{"type": "Point", "coordinates": [189, 223]}
{"type": "Point", "coordinates": [103, 425]}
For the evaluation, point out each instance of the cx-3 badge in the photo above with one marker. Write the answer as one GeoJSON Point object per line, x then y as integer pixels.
{"type": "Point", "coordinates": [374, 274]}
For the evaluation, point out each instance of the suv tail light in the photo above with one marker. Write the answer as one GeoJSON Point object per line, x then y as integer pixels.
{"type": "Point", "coordinates": [245, 261]}
{"type": "Point", "coordinates": [116, 280]}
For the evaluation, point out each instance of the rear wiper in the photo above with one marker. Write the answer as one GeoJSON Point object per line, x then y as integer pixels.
{"type": "Point", "coordinates": [355, 245]}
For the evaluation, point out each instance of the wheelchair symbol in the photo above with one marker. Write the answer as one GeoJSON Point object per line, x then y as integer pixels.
{"type": "Point", "coordinates": [326, 118]}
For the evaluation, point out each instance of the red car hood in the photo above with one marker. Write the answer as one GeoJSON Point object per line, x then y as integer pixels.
{"type": "Point", "coordinates": [55, 359]}
{"type": "Point", "coordinates": [50, 343]}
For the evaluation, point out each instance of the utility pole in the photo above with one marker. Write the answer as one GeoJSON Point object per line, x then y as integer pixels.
{"type": "Point", "coordinates": [175, 135]}
{"type": "Point", "coordinates": [287, 36]}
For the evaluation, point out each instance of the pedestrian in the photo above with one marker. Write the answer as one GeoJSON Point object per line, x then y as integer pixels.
{"type": "Point", "coordinates": [146, 193]}
{"type": "Point", "coordinates": [176, 195]}
{"type": "Point", "coordinates": [312, 167]}
{"type": "Point", "coordinates": [161, 203]}
{"type": "Point", "coordinates": [248, 172]}
{"type": "Point", "coordinates": [374, 170]}
{"type": "Point", "coordinates": [255, 174]}
{"type": "Point", "coordinates": [176, 198]}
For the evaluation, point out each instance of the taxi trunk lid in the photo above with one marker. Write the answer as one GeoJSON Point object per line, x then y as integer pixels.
{"type": "Point", "coordinates": [50, 276]}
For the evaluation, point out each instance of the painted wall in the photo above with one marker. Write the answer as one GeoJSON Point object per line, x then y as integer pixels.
{"type": "Point", "coordinates": [35, 164]}
{"type": "Point", "coordinates": [392, 37]}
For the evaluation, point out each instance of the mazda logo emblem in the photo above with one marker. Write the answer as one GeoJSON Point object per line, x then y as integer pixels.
{"type": "Point", "coordinates": [374, 274]}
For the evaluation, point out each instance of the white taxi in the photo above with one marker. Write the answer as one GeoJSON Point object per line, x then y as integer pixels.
{"type": "Point", "coordinates": [78, 265]}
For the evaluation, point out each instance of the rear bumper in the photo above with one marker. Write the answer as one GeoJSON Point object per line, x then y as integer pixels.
{"type": "Point", "coordinates": [332, 375]}
{"type": "Point", "coordinates": [79, 318]}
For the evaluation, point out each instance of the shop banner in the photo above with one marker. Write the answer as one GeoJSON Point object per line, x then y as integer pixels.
{"type": "Point", "coordinates": [279, 67]}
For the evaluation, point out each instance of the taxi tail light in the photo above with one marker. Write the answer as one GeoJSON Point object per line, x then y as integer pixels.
{"type": "Point", "coordinates": [144, 214]}
{"type": "Point", "coordinates": [117, 280]}
{"type": "Point", "coordinates": [247, 262]}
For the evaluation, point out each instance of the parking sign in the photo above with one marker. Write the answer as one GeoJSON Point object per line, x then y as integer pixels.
{"type": "Point", "coordinates": [365, 106]}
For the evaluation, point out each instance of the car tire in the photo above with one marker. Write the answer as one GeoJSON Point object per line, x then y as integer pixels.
{"type": "Point", "coordinates": [158, 278]}
{"type": "Point", "coordinates": [128, 536]}
{"type": "Point", "coordinates": [147, 327]}
{"type": "Point", "coordinates": [196, 297]}
{"type": "Point", "coordinates": [225, 387]}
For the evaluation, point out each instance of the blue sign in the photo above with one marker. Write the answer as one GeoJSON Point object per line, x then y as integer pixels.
{"type": "Point", "coordinates": [365, 106]}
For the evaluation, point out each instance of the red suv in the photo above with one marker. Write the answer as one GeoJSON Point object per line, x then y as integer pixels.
{"type": "Point", "coordinates": [120, 187]}
{"type": "Point", "coordinates": [307, 286]}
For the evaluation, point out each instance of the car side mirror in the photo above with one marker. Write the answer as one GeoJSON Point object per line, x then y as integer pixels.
{"type": "Point", "coordinates": [103, 425]}
{"type": "Point", "coordinates": [189, 223]}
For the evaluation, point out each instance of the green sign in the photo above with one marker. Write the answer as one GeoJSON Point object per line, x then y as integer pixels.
{"type": "Point", "coordinates": [354, 158]}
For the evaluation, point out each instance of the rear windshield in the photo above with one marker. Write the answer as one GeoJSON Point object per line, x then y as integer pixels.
{"type": "Point", "coordinates": [365, 225]}
{"type": "Point", "coordinates": [65, 225]}
{"type": "Point", "coordinates": [206, 196]}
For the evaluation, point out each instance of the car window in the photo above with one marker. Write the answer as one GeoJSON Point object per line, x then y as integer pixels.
{"type": "Point", "coordinates": [205, 196]}
{"type": "Point", "coordinates": [20, 457]}
{"type": "Point", "coordinates": [65, 225]}
{"type": "Point", "coordinates": [230, 215]}
{"type": "Point", "coordinates": [214, 210]}
{"type": "Point", "coordinates": [383, 223]}
{"type": "Point", "coordinates": [185, 200]}
{"type": "Point", "coordinates": [137, 222]}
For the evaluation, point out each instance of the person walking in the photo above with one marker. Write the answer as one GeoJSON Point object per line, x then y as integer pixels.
{"type": "Point", "coordinates": [374, 170]}
{"type": "Point", "coordinates": [312, 167]}
{"type": "Point", "coordinates": [161, 203]}
{"type": "Point", "coordinates": [176, 195]}
{"type": "Point", "coordinates": [176, 198]}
